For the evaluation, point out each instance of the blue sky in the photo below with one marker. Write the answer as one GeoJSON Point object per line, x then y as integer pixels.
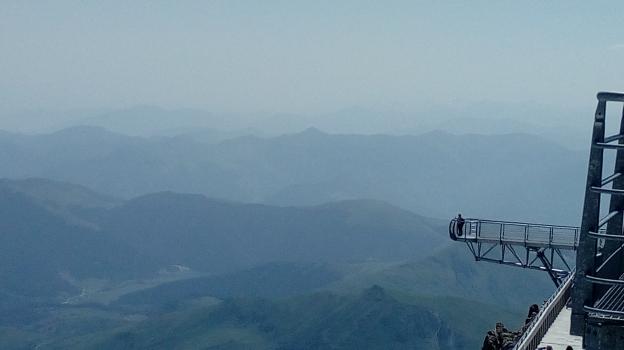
{"type": "Point", "coordinates": [307, 57]}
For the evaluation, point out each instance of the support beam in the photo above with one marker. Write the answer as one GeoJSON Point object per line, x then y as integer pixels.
{"type": "Point", "coordinates": [585, 257]}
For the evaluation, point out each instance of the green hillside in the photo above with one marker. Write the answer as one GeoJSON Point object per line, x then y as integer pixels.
{"type": "Point", "coordinates": [453, 272]}
{"type": "Point", "coordinates": [273, 280]}
{"type": "Point", "coordinates": [373, 319]}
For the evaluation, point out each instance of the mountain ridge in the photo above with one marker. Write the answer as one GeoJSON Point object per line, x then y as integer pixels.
{"type": "Point", "coordinates": [436, 174]}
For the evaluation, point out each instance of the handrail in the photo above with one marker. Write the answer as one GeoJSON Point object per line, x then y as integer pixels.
{"type": "Point", "coordinates": [604, 281]}
{"type": "Point", "coordinates": [610, 96]}
{"type": "Point", "coordinates": [517, 223]}
{"type": "Point", "coordinates": [605, 236]}
{"type": "Point", "coordinates": [515, 233]}
{"type": "Point", "coordinates": [540, 324]}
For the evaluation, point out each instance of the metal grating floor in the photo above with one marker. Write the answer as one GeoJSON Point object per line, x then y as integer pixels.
{"type": "Point", "coordinates": [558, 335]}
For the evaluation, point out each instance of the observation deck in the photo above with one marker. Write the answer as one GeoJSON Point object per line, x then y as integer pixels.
{"type": "Point", "coordinates": [516, 233]}
{"type": "Point", "coordinates": [522, 244]}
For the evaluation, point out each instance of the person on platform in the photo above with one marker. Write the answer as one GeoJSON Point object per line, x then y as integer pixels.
{"type": "Point", "coordinates": [460, 225]}
{"type": "Point", "coordinates": [533, 311]}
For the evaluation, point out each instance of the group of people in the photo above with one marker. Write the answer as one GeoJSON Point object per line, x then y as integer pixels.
{"type": "Point", "coordinates": [502, 338]}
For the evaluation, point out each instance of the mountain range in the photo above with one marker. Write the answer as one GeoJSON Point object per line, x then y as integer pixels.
{"type": "Point", "coordinates": [436, 174]}
{"type": "Point", "coordinates": [86, 270]}
{"type": "Point", "coordinates": [139, 237]}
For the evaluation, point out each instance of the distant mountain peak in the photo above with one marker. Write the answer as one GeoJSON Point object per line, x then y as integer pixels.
{"type": "Point", "coordinates": [313, 131]}
{"type": "Point", "coordinates": [86, 131]}
{"type": "Point", "coordinates": [82, 128]}
{"type": "Point", "coordinates": [374, 293]}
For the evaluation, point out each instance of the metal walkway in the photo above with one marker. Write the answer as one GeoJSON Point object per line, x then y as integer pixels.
{"type": "Point", "coordinates": [551, 325]}
{"type": "Point", "coordinates": [521, 244]}
{"type": "Point", "coordinates": [558, 335]}
{"type": "Point", "coordinates": [516, 233]}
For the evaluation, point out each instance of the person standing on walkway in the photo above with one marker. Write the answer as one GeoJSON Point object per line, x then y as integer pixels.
{"type": "Point", "coordinates": [460, 225]}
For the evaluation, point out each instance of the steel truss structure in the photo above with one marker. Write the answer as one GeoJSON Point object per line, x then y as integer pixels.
{"type": "Point", "coordinates": [520, 244]}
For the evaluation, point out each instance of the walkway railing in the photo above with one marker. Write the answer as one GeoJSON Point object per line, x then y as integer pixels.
{"type": "Point", "coordinates": [533, 335]}
{"type": "Point", "coordinates": [520, 244]}
{"type": "Point", "coordinates": [515, 233]}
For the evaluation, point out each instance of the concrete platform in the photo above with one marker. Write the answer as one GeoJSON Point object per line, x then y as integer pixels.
{"type": "Point", "coordinates": [558, 335]}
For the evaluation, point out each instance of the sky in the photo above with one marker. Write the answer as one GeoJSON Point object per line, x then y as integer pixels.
{"type": "Point", "coordinates": [307, 57]}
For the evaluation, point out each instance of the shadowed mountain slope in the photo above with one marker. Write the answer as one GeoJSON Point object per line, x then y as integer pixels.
{"type": "Point", "coordinates": [40, 250]}
{"type": "Point", "coordinates": [55, 232]}
{"type": "Point", "coordinates": [219, 236]}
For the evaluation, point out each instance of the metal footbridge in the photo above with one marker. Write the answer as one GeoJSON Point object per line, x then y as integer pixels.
{"type": "Point", "coordinates": [587, 308]}
{"type": "Point", "coordinates": [522, 244]}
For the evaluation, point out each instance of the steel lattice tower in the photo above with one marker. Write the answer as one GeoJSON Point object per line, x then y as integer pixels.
{"type": "Point", "coordinates": [598, 292]}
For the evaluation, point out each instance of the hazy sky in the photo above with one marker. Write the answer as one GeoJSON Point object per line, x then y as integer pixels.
{"type": "Point", "coordinates": [306, 57]}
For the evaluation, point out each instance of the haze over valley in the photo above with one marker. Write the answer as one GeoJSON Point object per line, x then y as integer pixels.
{"type": "Point", "coordinates": [281, 175]}
{"type": "Point", "coordinates": [227, 240]}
